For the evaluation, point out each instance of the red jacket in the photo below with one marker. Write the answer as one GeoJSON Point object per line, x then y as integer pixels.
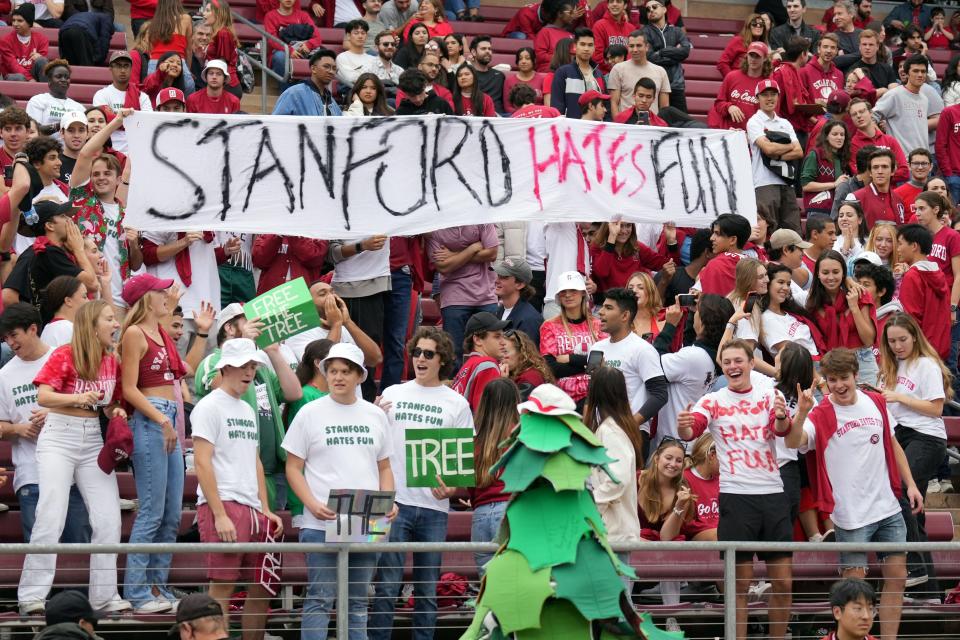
{"type": "Point", "coordinates": [527, 20]}
{"type": "Point", "coordinates": [821, 83]}
{"type": "Point", "coordinates": [276, 255]}
{"type": "Point", "coordinates": [732, 55]}
{"type": "Point", "coordinates": [884, 141]}
{"type": "Point", "coordinates": [275, 21]}
{"type": "Point", "coordinates": [793, 91]}
{"type": "Point", "coordinates": [15, 57]}
{"type": "Point", "coordinates": [626, 115]}
{"type": "Point", "coordinates": [880, 206]}
{"type": "Point", "coordinates": [545, 43]}
{"type": "Point", "coordinates": [608, 31]}
{"type": "Point", "coordinates": [719, 276]}
{"type": "Point", "coordinates": [609, 269]}
{"type": "Point", "coordinates": [737, 89]}
{"type": "Point", "coordinates": [266, 6]}
{"type": "Point", "coordinates": [925, 295]}
{"type": "Point", "coordinates": [948, 141]}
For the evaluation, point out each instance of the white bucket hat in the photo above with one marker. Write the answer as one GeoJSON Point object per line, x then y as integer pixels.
{"type": "Point", "coordinates": [345, 351]}
{"type": "Point", "coordinates": [238, 352]}
{"type": "Point", "coordinates": [570, 280]}
{"type": "Point", "coordinates": [549, 400]}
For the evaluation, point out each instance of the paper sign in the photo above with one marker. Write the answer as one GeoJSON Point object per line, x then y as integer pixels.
{"type": "Point", "coordinates": [447, 453]}
{"type": "Point", "coordinates": [285, 311]}
{"type": "Point", "coordinates": [269, 572]}
{"type": "Point", "coordinates": [361, 515]}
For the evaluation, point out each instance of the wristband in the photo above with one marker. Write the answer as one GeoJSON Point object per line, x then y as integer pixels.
{"type": "Point", "coordinates": [203, 335]}
{"type": "Point", "coordinates": [358, 247]}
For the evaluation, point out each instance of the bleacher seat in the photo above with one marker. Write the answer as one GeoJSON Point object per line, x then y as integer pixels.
{"type": "Point", "coordinates": [711, 25]}
{"type": "Point", "coordinates": [117, 41]}
{"type": "Point", "coordinates": [82, 93]}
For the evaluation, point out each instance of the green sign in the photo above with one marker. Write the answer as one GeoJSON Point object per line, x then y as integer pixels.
{"type": "Point", "coordinates": [285, 311]}
{"type": "Point", "coordinates": [447, 453]}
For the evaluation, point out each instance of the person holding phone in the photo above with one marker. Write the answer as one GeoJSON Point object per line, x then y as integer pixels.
{"type": "Point", "coordinates": [751, 283]}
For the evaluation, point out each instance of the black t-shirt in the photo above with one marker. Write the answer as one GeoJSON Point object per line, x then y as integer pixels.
{"type": "Point", "coordinates": [491, 83]}
{"type": "Point", "coordinates": [66, 167]}
{"type": "Point", "coordinates": [881, 74]}
{"type": "Point", "coordinates": [48, 265]}
{"type": "Point", "coordinates": [432, 104]}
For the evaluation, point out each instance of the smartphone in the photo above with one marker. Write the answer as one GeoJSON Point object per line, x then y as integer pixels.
{"type": "Point", "coordinates": [643, 117]}
{"type": "Point", "coordinates": [594, 361]}
{"type": "Point", "coordinates": [8, 172]}
{"type": "Point", "coordinates": [751, 300]}
{"type": "Point", "coordinates": [688, 300]}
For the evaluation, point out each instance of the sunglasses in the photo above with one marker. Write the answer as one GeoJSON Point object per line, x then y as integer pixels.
{"type": "Point", "coordinates": [670, 441]}
{"type": "Point", "coordinates": [757, 23]}
{"type": "Point", "coordinates": [429, 354]}
{"type": "Point", "coordinates": [388, 44]}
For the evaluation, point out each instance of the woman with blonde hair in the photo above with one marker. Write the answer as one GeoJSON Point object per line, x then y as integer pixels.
{"type": "Point", "coordinates": [150, 370]}
{"type": "Point", "coordinates": [223, 43]}
{"type": "Point", "coordinates": [496, 418]}
{"type": "Point", "coordinates": [523, 363]}
{"type": "Point", "coordinates": [171, 31]}
{"type": "Point", "coordinates": [883, 242]}
{"type": "Point", "coordinates": [649, 320]}
{"type": "Point", "coordinates": [78, 381]}
{"type": "Point", "coordinates": [615, 253]}
{"type": "Point", "coordinates": [566, 339]}
{"type": "Point", "coordinates": [751, 283]}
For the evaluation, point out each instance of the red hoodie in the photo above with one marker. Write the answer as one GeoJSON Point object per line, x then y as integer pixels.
{"type": "Point", "coordinates": [925, 295]}
{"type": "Point", "coordinates": [275, 21]}
{"type": "Point", "coordinates": [732, 55]}
{"type": "Point", "coordinates": [793, 91]}
{"type": "Point", "coordinates": [737, 89]}
{"type": "Point", "coordinates": [546, 43]}
{"type": "Point", "coordinates": [883, 141]}
{"type": "Point", "coordinates": [948, 141]}
{"type": "Point", "coordinates": [821, 83]}
{"type": "Point", "coordinates": [609, 269]}
{"type": "Point", "coordinates": [608, 31]}
{"type": "Point", "coordinates": [527, 20]}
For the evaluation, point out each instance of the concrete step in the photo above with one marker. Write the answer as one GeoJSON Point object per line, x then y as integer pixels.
{"type": "Point", "coordinates": [943, 501]}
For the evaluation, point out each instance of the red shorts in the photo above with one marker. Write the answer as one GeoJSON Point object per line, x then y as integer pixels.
{"type": "Point", "coordinates": [251, 526]}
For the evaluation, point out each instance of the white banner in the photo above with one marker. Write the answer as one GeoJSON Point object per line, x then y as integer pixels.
{"type": "Point", "coordinates": [354, 177]}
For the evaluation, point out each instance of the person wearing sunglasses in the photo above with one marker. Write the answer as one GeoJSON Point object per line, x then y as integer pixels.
{"type": "Point", "coordinates": [754, 30]}
{"type": "Point", "coordinates": [424, 402]}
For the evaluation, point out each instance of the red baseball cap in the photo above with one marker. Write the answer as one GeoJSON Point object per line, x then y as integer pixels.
{"type": "Point", "coordinates": [139, 286]}
{"type": "Point", "coordinates": [766, 85]}
{"type": "Point", "coordinates": [589, 96]}
{"type": "Point", "coordinates": [168, 94]}
{"type": "Point", "coordinates": [118, 445]}
{"type": "Point", "coordinates": [759, 48]}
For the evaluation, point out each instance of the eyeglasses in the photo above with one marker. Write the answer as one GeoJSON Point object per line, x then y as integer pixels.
{"type": "Point", "coordinates": [919, 164]}
{"type": "Point", "coordinates": [428, 354]}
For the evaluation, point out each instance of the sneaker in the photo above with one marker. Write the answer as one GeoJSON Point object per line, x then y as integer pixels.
{"type": "Point", "coordinates": [817, 537]}
{"type": "Point", "coordinates": [652, 591]}
{"type": "Point", "coordinates": [116, 605]}
{"type": "Point", "coordinates": [829, 536]}
{"type": "Point", "coordinates": [934, 486]}
{"type": "Point", "coordinates": [673, 626]}
{"type": "Point", "coordinates": [916, 577]}
{"type": "Point", "coordinates": [921, 601]}
{"type": "Point", "coordinates": [4, 507]}
{"type": "Point", "coordinates": [156, 605]}
{"type": "Point", "coordinates": [128, 505]}
{"type": "Point", "coordinates": [757, 592]}
{"type": "Point", "coordinates": [33, 608]}
{"type": "Point", "coordinates": [946, 486]}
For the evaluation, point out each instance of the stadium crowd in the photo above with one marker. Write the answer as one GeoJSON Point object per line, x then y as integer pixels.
{"type": "Point", "coordinates": [759, 382]}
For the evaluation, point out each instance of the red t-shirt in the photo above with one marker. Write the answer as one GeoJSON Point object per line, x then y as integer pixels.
{"type": "Point", "coordinates": [60, 373]}
{"type": "Point", "coordinates": [946, 245]}
{"type": "Point", "coordinates": [535, 111]}
{"type": "Point", "coordinates": [200, 102]}
{"type": "Point", "coordinates": [489, 110]}
{"type": "Point", "coordinates": [708, 503]}
{"type": "Point", "coordinates": [907, 193]}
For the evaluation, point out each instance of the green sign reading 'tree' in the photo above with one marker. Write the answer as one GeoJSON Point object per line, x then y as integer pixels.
{"type": "Point", "coordinates": [447, 453]}
{"type": "Point", "coordinates": [285, 311]}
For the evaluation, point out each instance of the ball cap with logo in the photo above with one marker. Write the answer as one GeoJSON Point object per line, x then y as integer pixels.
{"type": "Point", "coordinates": [516, 268]}
{"type": "Point", "coordinates": [170, 94]}
{"type": "Point", "coordinates": [589, 96]}
{"type": "Point", "coordinates": [759, 48]}
{"type": "Point", "coordinates": [766, 85]}
{"type": "Point", "coordinates": [118, 446]}
{"type": "Point", "coordinates": [483, 321]}
{"type": "Point", "coordinates": [140, 285]}
{"type": "Point", "coordinates": [194, 607]}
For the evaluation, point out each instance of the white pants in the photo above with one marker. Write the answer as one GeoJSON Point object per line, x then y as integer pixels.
{"type": "Point", "coordinates": [67, 452]}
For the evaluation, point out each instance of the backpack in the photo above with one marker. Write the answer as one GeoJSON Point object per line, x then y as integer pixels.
{"type": "Point", "coordinates": [245, 71]}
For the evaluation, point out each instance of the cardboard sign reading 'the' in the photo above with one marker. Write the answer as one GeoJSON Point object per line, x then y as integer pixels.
{"type": "Point", "coordinates": [285, 311]}
{"type": "Point", "coordinates": [447, 453]}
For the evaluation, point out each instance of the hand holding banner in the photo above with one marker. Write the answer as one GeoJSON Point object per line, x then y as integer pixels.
{"type": "Point", "coordinates": [361, 515]}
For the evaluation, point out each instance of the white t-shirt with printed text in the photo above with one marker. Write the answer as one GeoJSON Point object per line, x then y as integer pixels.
{"type": "Point", "coordinates": [415, 406]}
{"type": "Point", "coordinates": [230, 425]}
{"type": "Point", "coordinates": [204, 275]}
{"type": "Point", "coordinates": [785, 328]}
{"type": "Point", "coordinates": [18, 399]}
{"type": "Point", "coordinates": [919, 378]}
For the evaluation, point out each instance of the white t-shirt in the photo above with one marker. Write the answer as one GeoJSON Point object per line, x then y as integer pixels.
{"type": "Point", "coordinates": [46, 109]}
{"type": "Point", "coordinates": [637, 360]}
{"type": "Point", "coordinates": [111, 250]}
{"type": "Point", "coordinates": [365, 265]}
{"type": "Point", "coordinates": [560, 240]}
{"type": "Point", "coordinates": [298, 343]}
{"type": "Point", "coordinates": [785, 328]}
{"type": "Point", "coordinates": [49, 192]}
{"type": "Point", "coordinates": [115, 99]}
{"type": "Point", "coordinates": [690, 373]}
{"type": "Point", "coordinates": [742, 425]}
{"type": "Point", "coordinates": [57, 333]}
{"type": "Point", "coordinates": [919, 378]}
{"type": "Point", "coordinates": [205, 278]}
{"type": "Point", "coordinates": [856, 465]}
{"type": "Point", "coordinates": [757, 127]}
{"type": "Point", "coordinates": [231, 426]}
{"type": "Point", "coordinates": [18, 399]}
{"type": "Point", "coordinates": [536, 245]}
{"type": "Point", "coordinates": [341, 445]}
{"type": "Point", "coordinates": [345, 11]}
{"type": "Point", "coordinates": [350, 65]}
{"type": "Point", "coordinates": [418, 407]}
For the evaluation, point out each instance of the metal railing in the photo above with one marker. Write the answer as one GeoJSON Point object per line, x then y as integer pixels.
{"type": "Point", "coordinates": [343, 552]}
{"type": "Point", "coordinates": [264, 62]}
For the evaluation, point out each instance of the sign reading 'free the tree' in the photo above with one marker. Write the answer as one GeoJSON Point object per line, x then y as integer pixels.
{"type": "Point", "coordinates": [285, 311]}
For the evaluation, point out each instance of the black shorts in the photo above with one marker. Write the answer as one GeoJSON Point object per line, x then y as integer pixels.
{"type": "Point", "coordinates": [755, 518]}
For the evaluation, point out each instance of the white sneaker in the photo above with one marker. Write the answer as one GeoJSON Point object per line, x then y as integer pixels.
{"type": "Point", "coordinates": [673, 626]}
{"type": "Point", "coordinates": [154, 606]}
{"type": "Point", "coordinates": [128, 505]}
{"type": "Point", "coordinates": [946, 486]}
{"type": "Point", "coordinates": [817, 537]}
{"type": "Point", "coordinates": [934, 486]}
{"type": "Point", "coordinates": [757, 591]}
{"type": "Point", "coordinates": [4, 507]}
{"type": "Point", "coordinates": [116, 605]}
{"type": "Point", "coordinates": [32, 608]}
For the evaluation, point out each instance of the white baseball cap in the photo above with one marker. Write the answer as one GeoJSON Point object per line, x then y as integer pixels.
{"type": "Point", "coordinates": [238, 352]}
{"type": "Point", "coordinates": [345, 351]}
{"type": "Point", "coordinates": [72, 116]}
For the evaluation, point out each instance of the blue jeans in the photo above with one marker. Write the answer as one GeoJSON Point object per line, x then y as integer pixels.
{"type": "Point", "coordinates": [396, 318]}
{"type": "Point", "coordinates": [75, 529]}
{"type": "Point", "coordinates": [322, 590]}
{"type": "Point", "coordinates": [159, 477]}
{"type": "Point", "coordinates": [953, 183]}
{"type": "Point", "coordinates": [954, 352]}
{"type": "Point", "coordinates": [455, 322]}
{"type": "Point", "coordinates": [189, 86]}
{"type": "Point", "coordinates": [458, 7]}
{"type": "Point", "coordinates": [869, 370]}
{"type": "Point", "coordinates": [890, 529]}
{"type": "Point", "coordinates": [485, 526]}
{"type": "Point", "coordinates": [412, 524]}
{"type": "Point", "coordinates": [278, 64]}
